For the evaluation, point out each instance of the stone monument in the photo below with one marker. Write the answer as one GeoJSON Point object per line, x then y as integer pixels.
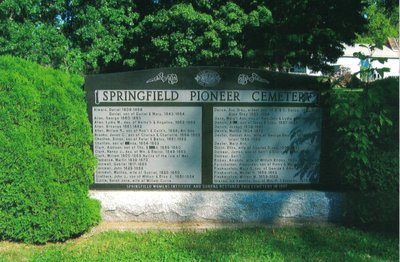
{"type": "Point", "coordinates": [206, 143]}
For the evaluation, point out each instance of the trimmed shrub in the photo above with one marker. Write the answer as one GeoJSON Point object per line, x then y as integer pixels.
{"type": "Point", "coordinates": [46, 163]}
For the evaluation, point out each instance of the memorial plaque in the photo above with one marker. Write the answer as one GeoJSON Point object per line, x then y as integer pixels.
{"type": "Point", "coordinates": [204, 128]}
{"type": "Point", "coordinates": [147, 145]}
{"type": "Point", "coordinates": [265, 145]}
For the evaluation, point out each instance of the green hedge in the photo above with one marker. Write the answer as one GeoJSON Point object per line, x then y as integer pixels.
{"type": "Point", "coordinates": [363, 148]}
{"type": "Point", "coordinates": [46, 163]}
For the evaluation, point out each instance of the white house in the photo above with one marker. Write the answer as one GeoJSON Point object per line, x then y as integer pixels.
{"type": "Point", "coordinates": [349, 63]}
{"type": "Point", "coordinates": [353, 63]}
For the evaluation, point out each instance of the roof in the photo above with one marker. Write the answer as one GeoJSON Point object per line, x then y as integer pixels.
{"type": "Point", "coordinates": [393, 43]}
{"type": "Point", "coordinates": [385, 52]}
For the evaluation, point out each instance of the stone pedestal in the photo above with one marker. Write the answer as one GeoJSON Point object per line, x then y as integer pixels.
{"type": "Point", "coordinates": [271, 207]}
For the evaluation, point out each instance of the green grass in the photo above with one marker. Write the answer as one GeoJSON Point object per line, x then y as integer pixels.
{"type": "Point", "coordinates": [325, 243]}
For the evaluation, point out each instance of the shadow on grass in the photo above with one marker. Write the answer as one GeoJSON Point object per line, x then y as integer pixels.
{"type": "Point", "coordinates": [322, 243]}
{"type": "Point", "coordinates": [304, 243]}
{"type": "Point", "coordinates": [334, 244]}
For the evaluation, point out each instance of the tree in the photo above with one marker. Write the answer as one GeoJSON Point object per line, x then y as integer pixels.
{"type": "Point", "coordinates": [99, 29]}
{"type": "Point", "coordinates": [312, 32]}
{"type": "Point", "coordinates": [383, 22]}
{"type": "Point", "coordinates": [111, 35]}
{"type": "Point", "coordinates": [275, 34]}
{"type": "Point", "coordinates": [179, 36]}
{"type": "Point", "coordinates": [32, 30]}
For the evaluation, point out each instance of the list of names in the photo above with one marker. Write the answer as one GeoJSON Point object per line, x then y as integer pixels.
{"type": "Point", "coordinates": [266, 145]}
{"type": "Point", "coordinates": [147, 145]}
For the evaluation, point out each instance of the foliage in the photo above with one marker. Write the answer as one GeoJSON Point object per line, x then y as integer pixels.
{"type": "Point", "coordinates": [182, 35]}
{"type": "Point", "coordinates": [382, 22]}
{"type": "Point", "coordinates": [367, 71]}
{"type": "Point", "coordinates": [179, 36]}
{"type": "Point", "coordinates": [32, 30]}
{"type": "Point", "coordinates": [365, 121]}
{"type": "Point", "coordinates": [109, 35]}
{"type": "Point", "coordinates": [308, 32]}
{"type": "Point", "coordinates": [100, 30]}
{"type": "Point", "coordinates": [364, 146]}
{"type": "Point", "coordinates": [317, 243]}
{"type": "Point", "coordinates": [46, 163]}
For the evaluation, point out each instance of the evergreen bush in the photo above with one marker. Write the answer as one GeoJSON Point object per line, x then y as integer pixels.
{"type": "Point", "coordinates": [46, 163]}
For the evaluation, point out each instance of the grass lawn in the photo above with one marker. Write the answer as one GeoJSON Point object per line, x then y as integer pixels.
{"type": "Point", "coordinates": [322, 243]}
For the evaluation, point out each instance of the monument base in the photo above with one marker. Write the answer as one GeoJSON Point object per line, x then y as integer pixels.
{"type": "Point", "coordinates": [274, 207]}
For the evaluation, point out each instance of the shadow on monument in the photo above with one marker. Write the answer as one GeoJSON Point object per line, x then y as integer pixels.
{"type": "Point", "coordinates": [305, 141]}
{"type": "Point", "coordinates": [260, 208]}
{"type": "Point", "coordinates": [254, 209]}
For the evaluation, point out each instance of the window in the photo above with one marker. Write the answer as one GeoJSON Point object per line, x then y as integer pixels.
{"type": "Point", "coordinates": [298, 69]}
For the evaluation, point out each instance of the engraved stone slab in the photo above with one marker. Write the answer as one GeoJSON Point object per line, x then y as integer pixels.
{"type": "Point", "coordinates": [147, 145]}
{"type": "Point", "coordinates": [204, 128]}
{"type": "Point", "coordinates": [264, 145]}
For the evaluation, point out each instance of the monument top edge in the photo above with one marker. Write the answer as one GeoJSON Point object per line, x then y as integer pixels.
{"type": "Point", "coordinates": [188, 69]}
{"type": "Point", "coordinates": [203, 77]}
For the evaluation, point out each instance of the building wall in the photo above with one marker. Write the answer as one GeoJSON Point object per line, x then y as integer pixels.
{"type": "Point", "coordinates": [353, 63]}
{"type": "Point", "coordinates": [393, 64]}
